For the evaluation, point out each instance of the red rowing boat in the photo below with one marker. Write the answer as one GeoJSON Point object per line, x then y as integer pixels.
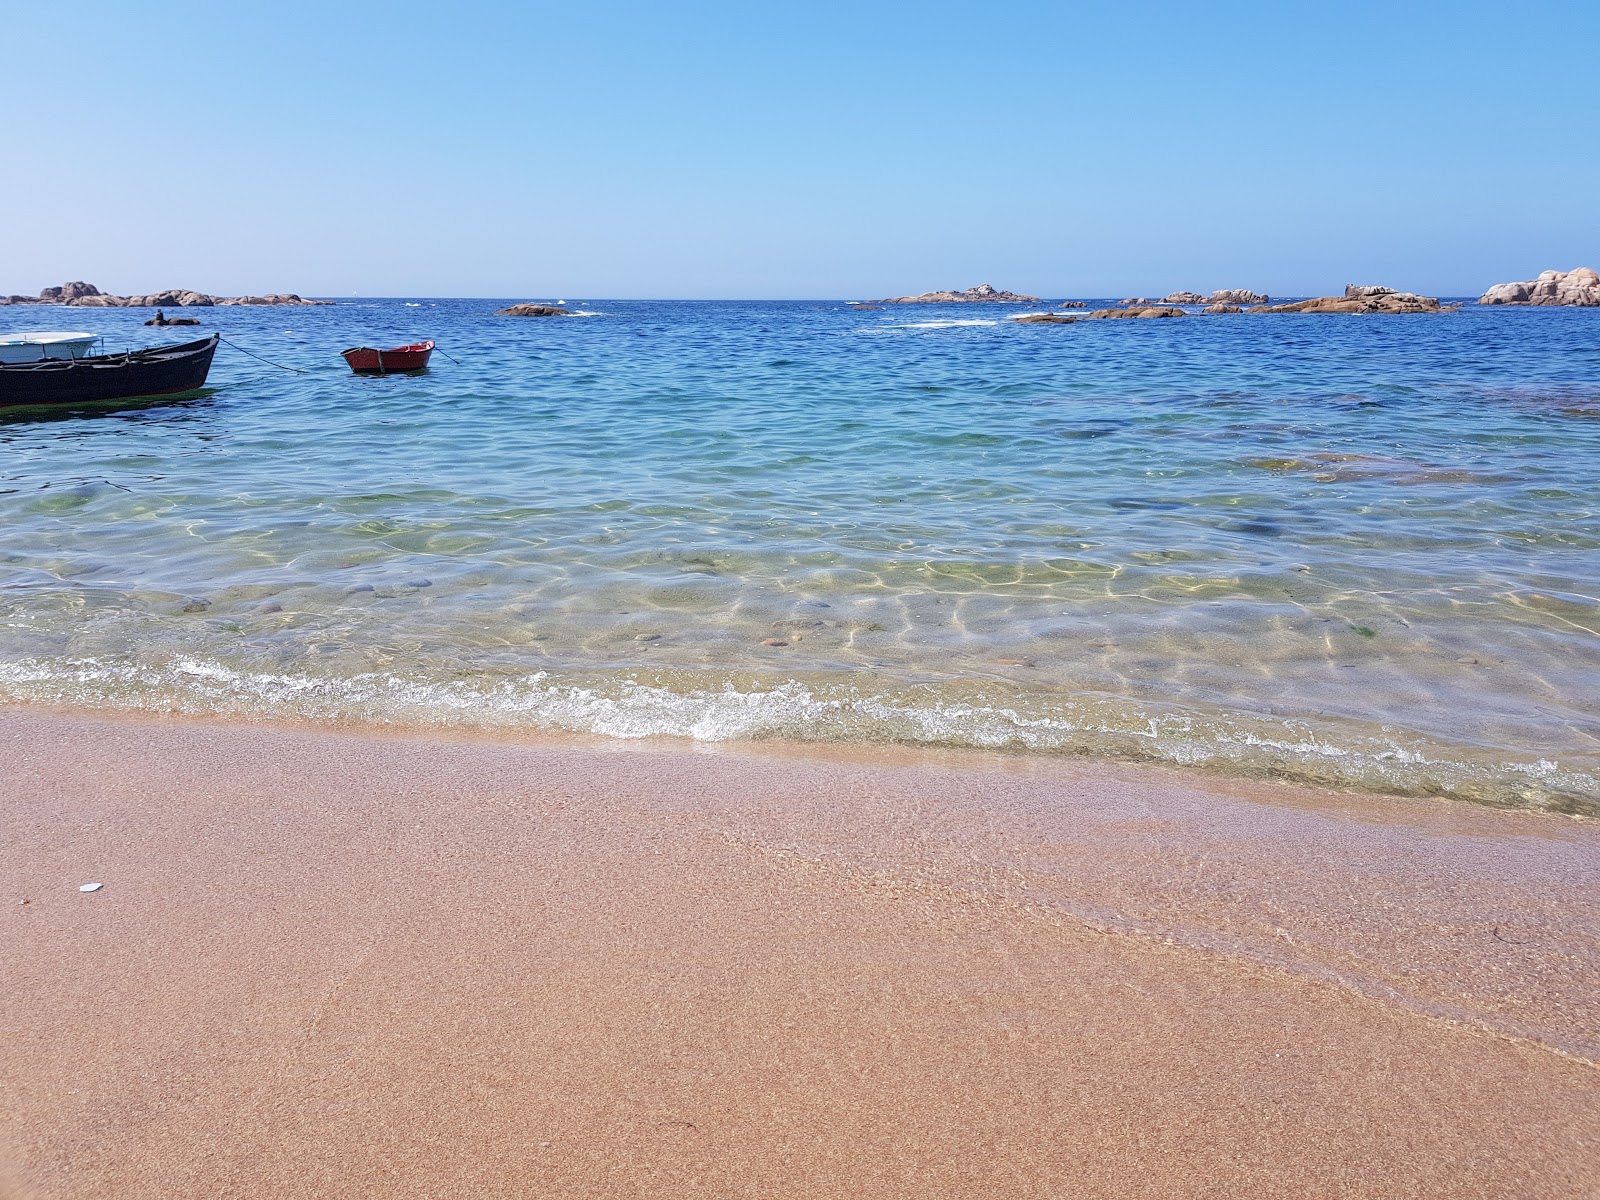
{"type": "Point", "coordinates": [364, 360]}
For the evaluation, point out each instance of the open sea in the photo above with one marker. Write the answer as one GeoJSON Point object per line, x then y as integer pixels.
{"type": "Point", "coordinates": [1362, 551]}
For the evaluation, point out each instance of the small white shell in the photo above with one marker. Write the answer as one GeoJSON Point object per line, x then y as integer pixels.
{"type": "Point", "coordinates": [91, 887]}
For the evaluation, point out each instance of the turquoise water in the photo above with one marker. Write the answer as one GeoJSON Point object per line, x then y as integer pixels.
{"type": "Point", "coordinates": [1359, 550]}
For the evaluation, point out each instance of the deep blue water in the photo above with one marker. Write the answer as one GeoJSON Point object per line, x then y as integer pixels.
{"type": "Point", "coordinates": [1359, 549]}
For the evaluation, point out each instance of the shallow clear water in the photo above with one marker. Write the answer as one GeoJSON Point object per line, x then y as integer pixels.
{"type": "Point", "coordinates": [1361, 550]}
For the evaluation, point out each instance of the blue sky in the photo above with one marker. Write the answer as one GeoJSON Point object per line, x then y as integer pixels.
{"type": "Point", "coordinates": [816, 150]}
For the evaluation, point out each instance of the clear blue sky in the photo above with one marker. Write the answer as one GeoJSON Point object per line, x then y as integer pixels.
{"type": "Point", "coordinates": [803, 150]}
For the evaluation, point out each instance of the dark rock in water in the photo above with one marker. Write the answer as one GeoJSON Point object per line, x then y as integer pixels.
{"type": "Point", "coordinates": [161, 318]}
{"type": "Point", "coordinates": [533, 310]}
{"type": "Point", "coordinates": [196, 606]}
{"type": "Point", "coordinates": [984, 293]}
{"type": "Point", "coordinates": [1222, 308]}
{"type": "Point", "coordinates": [420, 581]}
{"type": "Point", "coordinates": [1073, 304]}
{"type": "Point", "coordinates": [1112, 313]}
{"type": "Point", "coordinates": [866, 307]}
{"type": "Point", "coordinates": [1047, 319]}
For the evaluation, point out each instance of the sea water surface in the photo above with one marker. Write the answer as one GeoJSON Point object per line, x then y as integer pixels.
{"type": "Point", "coordinates": [1356, 550]}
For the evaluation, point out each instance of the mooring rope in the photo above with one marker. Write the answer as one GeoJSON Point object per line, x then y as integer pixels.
{"type": "Point", "coordinates": [447, 356]}
{"type": "Point", "coordinates": [268, 361]}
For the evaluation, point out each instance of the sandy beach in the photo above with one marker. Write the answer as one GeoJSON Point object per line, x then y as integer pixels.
{"type": "Point", "coordinates": [328, 964]}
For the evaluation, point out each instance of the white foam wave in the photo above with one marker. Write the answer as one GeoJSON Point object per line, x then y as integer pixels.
{"type": "Point", "coordinates": [623, 707]}
{"type": "Point", "coordinates": [951, 324]}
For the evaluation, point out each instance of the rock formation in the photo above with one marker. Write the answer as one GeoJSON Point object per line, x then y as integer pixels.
{"type": "Point", "coordinates": [1046, 319]}
{"type": "Point", "coordinates": [1184, 298]}
{"type": "Point", "coordinates": [1237, 296]}
{"type": "Point", "coordinates": [1579, 287]}
{"type": "Point", "coordinates": [1137, 311]}
{"type": "Point", "coordinates": [1222, 308]}
{"type": "Point", "coordinates": [533, 310]}
{"type": "Point", "coordinates": [161, 318]}
{"type": "Point", "coordinates": [984, 293]}
{"type": "Point", "coordinates": [1073, 304]}
{"type": "Point", "coordinates": [1358, 299]}
{"type": "Point", "coordinates": [85, 295]}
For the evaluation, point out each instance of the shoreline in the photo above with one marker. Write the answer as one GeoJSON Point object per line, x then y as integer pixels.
{"type": "Point", "coordinates": [426, 962]}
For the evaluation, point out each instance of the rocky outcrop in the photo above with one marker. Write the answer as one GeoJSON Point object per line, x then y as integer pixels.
{"type": "Point", "coordinates": [1359, 300]}
{"type": "Point", "coordinates": [1184, 298]}
{"type": "Point", "coordinates": [1073, 304]}
{"type": "Point", "coordinates": [1221, 308]}
{"type": "Point", "coordinates": [1237, 296]}
{"type": "Point", "coordinates": [1140, 301]}
{"type": "Point", "coordinates": [534, 310]}
{"type": "Point", "coordinates": [984, 293]}
{"type": "Point", "coordinates": [1046, 319]}
{"type": "Point", "coordinates": [85, 295]}
{"type": "Point", "coordinates": [1579, 287]}
{"type": "Point", "coordinates": [1137, 311]}
{"type": "Point", "coordinates": [161, 318]}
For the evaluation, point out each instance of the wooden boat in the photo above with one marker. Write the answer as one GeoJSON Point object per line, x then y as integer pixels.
{"type": "Point", "coordinates": [364, 360]}
{"type": "Point", "coordinates": [162, 371]}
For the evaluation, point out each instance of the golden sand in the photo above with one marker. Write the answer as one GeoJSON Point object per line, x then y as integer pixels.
{"type": "Point", "coordinates": [334, 965]}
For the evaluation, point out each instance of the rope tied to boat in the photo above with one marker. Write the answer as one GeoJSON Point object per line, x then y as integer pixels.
{"type": "Point", "coordinates": [258, 358]}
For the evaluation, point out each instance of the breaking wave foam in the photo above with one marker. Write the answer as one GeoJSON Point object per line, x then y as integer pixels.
{"type": "Point", "coordinates": [625, 707]}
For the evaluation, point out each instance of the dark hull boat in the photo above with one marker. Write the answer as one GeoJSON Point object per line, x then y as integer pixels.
{"type": "Point", "coordinates": [364, 360]}
{"type": "Point", "coordinates": [163, 371]}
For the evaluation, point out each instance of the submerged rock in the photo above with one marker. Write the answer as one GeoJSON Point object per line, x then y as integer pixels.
{"type": "Point", "coordinates": [984, 293]}
{"type": "Point", "coordinates": [1579, 288]}
{"type": "Point", "coordinates": [1136, 312]}
{"type": "Point", "coordinates": [534, 310]}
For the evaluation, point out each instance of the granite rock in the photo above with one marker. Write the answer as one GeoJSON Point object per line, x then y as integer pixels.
{"type": "Point", "coordinates": [1578, 288]}
{"type": "Point", "coordinates": [1222, 308]}
{"type": "Point", "coordinates": [1184, 298]}
{"type": "Point", "coordinates": [1370, 300]}
{"type": "Point", "coordinates": [1238, 296]}
{"type": "Point", "coordinates": [984, 293]}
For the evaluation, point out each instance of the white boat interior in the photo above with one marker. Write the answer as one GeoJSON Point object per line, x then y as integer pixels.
{"type": "Point", "coordinates": [32, 347]}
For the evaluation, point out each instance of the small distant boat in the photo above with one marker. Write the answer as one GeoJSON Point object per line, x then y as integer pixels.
{"type": "Point", "coordinates": [162, 371]}
{"type": "Point", "coordinates": [33, 347]}
{"type": "Point", "coordinates": [364, 360]}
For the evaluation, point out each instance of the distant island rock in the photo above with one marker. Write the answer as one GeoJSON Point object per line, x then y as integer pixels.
{"type": "Point", "coordinates": [1136, 311]}
{"type": "Point", "coordinates": [1237, 296]}
{"type": "Point", "coordinates": [1360, 299]}
{"type": "Point", "coordinates": [1213, 309]}
{"type": "Point", "coordinates": [78, 294]}
{"type": "Point", "coordinates": [1184, 298]}
{"type": "Point", "coordinates": [1579, 287]}
{"type": "Point", "coordinates": [534, 310]}
{"type": "Point", "coordinates": [1047, 319]}
{"type": "Point", "coordinates": [984, 293]}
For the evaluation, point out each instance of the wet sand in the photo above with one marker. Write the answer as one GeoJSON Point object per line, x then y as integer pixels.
{"type": "Point", "coordinates": [337, 965]}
